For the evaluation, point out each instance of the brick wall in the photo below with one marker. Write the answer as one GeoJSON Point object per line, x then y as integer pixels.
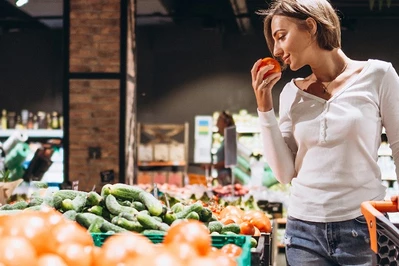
{"type": "Point", "coordinates": [94, 100]}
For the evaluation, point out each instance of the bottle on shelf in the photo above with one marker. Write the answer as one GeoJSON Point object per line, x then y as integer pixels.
{"type": "Point", "coordinates": [11, 120]}
{"type": "Point", "coordinates": [54, 121]}
{"type": "Point", "coordinates": [18, 123]}
{"type": "Point", "coordinates": [3, 119]}
{"type": "Point", "coordinates": [29, 123]}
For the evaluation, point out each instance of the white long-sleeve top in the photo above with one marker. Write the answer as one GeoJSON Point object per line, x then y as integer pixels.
{"type": "Point", "coordinates": [327, 149]}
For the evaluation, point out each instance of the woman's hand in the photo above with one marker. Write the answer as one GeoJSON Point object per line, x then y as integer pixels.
{"type": "Point", "coordinates": [395, 199]}
{"type": "Point", "coordinates": [263, 87]}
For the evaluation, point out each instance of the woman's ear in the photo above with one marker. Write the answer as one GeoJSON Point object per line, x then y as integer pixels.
{"type": "Point", "coordinates": [312, 26]}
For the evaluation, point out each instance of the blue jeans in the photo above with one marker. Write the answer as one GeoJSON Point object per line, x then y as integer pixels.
{"type": "Point", "coordinates": [328, 244]}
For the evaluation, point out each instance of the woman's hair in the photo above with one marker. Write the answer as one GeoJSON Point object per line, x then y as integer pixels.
{"type": "Point", "coordinates": [227, 118]}
{"type": "Point", "coordinates": [328, 25]}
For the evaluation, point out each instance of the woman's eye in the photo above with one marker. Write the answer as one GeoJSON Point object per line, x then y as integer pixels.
{"type": "Point", "coordinates": [281, 37]}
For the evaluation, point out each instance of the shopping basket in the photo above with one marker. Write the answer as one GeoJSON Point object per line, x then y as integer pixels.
{"type": "Point", "coordinates": [384, 235]}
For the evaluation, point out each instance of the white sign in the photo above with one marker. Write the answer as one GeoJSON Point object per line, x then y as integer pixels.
{"type": "Point", "coordinates": [203, 139]}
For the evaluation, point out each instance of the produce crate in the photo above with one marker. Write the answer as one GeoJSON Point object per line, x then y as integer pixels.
{"type": "Point", "coordinates": [384, 236]}
{"type": "Point", "coordinates": [217, 241]}
{"type": "Point", "coordinates": [262, 254]}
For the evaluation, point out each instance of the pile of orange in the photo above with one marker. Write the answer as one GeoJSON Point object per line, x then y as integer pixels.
{"type": "Point", "coordinates": [45, 238]}
{"type": "Point", "coordinates": [252, 222]}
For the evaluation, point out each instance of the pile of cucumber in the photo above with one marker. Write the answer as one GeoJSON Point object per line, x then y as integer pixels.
{"type": "Point", "coordinates": [121, 207]}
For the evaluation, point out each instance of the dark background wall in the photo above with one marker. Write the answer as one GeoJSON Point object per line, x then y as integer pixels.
{"type": "Point", "coordinates": [181, 72]}
{"type": "Point", "coordinates": [31, 66]}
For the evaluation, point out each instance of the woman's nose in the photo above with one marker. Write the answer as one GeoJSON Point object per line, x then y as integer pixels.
{"type": "Point", "coordinates": [277, 51]}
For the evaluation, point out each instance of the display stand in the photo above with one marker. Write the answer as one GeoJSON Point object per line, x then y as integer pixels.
{"type": "Point", "coordinates": [162, 153]}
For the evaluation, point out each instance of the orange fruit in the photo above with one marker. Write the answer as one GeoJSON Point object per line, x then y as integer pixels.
{"type": "Point", "coordinates": [246, 228]}
{"type": "Point", "coordinates": [270, 61]}
{"type": "Point", "coordinates": [193, 232]}
{"type": "Point", "coordinates": [231, 250]}
{"type": "Point", "coordinates": [50, 260]}
{"type": "Point", "coordinates": [16, 250]}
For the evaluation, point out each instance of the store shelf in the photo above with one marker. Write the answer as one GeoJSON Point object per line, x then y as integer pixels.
{"type": "Point", "coordinates": [169, 163]}
{"type": "Point", "coordinates": [35, 133]}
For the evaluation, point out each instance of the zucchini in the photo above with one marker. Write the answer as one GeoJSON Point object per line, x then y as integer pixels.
{"type": "Point", "coordinates": [115, 208]}
{"type": "Point", "coordinates": [128, 216]}
{"type": "Point", "coordinates": [149, 222]}
{"type": "Point", "coordinates": [134, 226]}
{"type": "Point", "coordinates": [195, 207]}
{"type": "Point", "coordinates": [86, 219]}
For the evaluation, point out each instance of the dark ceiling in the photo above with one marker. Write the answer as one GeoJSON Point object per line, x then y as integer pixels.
{"type": "Point", "coordinates": [231, 15]}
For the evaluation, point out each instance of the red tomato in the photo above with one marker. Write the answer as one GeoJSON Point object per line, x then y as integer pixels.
{"type": "Point", "coordinates": [270, 61]}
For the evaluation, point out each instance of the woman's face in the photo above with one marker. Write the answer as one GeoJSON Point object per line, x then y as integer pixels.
{"type": "Point", "coordinates": [221, 124]}
{"type": "Point", "coordinates": [291, 43]}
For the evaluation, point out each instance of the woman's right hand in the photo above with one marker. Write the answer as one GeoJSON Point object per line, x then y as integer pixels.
{"type": "Point", "coordinates": [263, 87]}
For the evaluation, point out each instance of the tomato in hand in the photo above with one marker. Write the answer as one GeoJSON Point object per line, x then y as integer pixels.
{"type": "Point", "coordinates": [270, 61]}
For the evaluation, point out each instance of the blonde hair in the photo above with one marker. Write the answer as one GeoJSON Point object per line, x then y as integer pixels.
{"type": "Point", "coordinates": [328, 33]}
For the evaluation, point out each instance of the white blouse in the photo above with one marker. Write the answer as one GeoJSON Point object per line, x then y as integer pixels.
{"type": "Point", "coordinates": [328, 149]}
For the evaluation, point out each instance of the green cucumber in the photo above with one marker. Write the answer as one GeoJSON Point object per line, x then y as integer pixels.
{"type": "Point", "coordinates": [195, 207]}
{"type": "Point", "coordinates": [75, 204]}
{"type": "Point", "coordinates": [115, 208]}
{"type": "Point", "coordinates": [178, 207]}
{"type": "Point", "coordinates": [215, 226]}
{"type": "Point", "coordinates": [106, 190]}
{"type": "Point", "coordinates": [138, 205]}
{"type": "Point", "coordinates": [70, 215]}
{"type": "Point", "coordinates": [154, 206]}
{"type": "Point", "coordinates": [86, 219]}
{"type": "Point", "coordinates": [98, 210]}
{"type": "Point", "coordinates": [233, 227]}
{"type": "Point", "coordinates": [93, 198]}
{"type": "Point", "coordinates": [169, 217]}
{"type": "Point", "coordinates": [95, 227]}
{"type": "Point", "coordinates": [205, 215]}
{"type": "Point", "coordinates": [193, 216]}
{"type": "Point", "coordinates": [153, 232]}
{"type": "Point", "coordinates": [126, 192]}
{"type": "Point", "coordinates": [134, 226]}
{"type": "Point", "coordinates": [149, 222]}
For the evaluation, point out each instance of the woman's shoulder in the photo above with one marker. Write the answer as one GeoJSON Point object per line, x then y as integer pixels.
{"type": "Point", "coordinates": [377, 64]}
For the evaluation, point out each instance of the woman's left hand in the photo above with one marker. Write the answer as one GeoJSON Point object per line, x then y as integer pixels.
{"type": "Point", "coordinates": [395, 199]}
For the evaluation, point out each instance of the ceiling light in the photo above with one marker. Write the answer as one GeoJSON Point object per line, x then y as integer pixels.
{"type": "Point", "coordinates": [20, 3]}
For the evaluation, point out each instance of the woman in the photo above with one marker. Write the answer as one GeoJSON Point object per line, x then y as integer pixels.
{"type": "Point", "coordinates": [224, 120]}
{"type": "Point", "coordinates": [325, 143]}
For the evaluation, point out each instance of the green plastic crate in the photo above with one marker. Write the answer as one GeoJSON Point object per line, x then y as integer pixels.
{"type": "Point", "coordinates": [217, 241]}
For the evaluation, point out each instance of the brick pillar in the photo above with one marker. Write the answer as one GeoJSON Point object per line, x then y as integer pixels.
{"type": "Point", "coordinates": [100, 87]}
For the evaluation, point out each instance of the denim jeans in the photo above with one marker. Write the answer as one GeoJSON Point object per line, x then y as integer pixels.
{"type": "Point", "coordinates": [328, 244]}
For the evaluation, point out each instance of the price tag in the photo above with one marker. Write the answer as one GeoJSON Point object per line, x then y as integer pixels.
{"type": "Point", "coordinates": [75, 185]}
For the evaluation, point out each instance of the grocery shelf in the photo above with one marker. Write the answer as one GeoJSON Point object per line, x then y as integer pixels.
{"type": "Point", "coordinates": [166, 163]}
{"type": "Point", "coordinates": [35, 133]}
